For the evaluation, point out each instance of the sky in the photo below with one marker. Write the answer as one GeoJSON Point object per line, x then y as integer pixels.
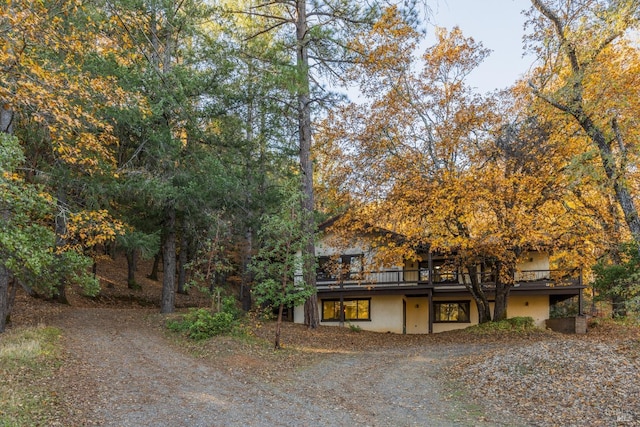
{"type": "Point", "coordinates": [498, 24]}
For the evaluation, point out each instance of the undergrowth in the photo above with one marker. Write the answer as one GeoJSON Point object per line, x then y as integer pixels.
{"type": "Point", "coordinates": [28, 357]}
{"type": "Point", "coordinates": [201, 324]}
{"type": "Point", "coordinates": [515, 324]}
{"type": "Point", "coordinates": [627, 321]}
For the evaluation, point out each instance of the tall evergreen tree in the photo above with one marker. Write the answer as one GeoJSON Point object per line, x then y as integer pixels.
{"type": "Point", "coordinates": [316, 37]}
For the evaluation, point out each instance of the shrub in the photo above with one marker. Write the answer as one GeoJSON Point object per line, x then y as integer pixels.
{"type": "Point", "coordinates": [519, 324]}
{"type": "Point", "coordinates": [229, 305]}
{"type": "Point", "coordinates": [354, 328]}
{"type": "Point", "coordinates": [201, 324]}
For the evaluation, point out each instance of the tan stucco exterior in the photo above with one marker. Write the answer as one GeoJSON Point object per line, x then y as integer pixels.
{"type": "Point", "coordinates": [535, 306]}
{"type": "Point", "coordinates": [534, 261]}
{"type": "Point", "coordinates": [387, 313]}
{"type": "Point", "coordinates": [398, 313]}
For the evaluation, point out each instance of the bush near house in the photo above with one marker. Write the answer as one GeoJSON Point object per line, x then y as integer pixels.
{"type": "Point", "coordinates": [516, 324]}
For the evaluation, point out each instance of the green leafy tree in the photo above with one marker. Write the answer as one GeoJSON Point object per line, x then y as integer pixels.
{"type": "Point", "coordinates": [177, 158]}
{"type": "Point", "coordinates": [315, 38]}
{"type": "Point", "coordinates": [52, 98]}
{"type": "Point", "coordinates": [617, 279]}
{"type": "Point", "coordinates": [28, 254]}
{"type": "Point", "coordinates": [281, 257]}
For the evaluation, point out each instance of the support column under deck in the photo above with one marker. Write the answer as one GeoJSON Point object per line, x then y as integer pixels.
{"type": "Point", "coordinates": [430, 311]}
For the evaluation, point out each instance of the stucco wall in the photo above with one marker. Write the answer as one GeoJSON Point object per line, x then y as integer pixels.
{"type": "Point", "coordinates": [386, 313]}
{"type": "Point", "coordinates": [536, 306]}
{"type": "Point", "coordinates": [534, 261]}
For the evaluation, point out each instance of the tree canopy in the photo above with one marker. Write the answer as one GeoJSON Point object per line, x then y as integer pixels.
{"type": "Point", "coordinates": [170, 128]}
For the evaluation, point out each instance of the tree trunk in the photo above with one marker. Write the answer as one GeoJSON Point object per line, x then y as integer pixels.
{"type": "Point", "coordinates": [182, 264]}
{"type": "Point", "coordinates": [132, 261]}
{"type": "Point", "coordinates": [574, 105]}
{"type": "Point", "coordinates": [306, 165]}
{"type": "Point", "coordinates": [279, 326]}
{"type": "Point", "coordinates": [478, 295]}
{"type": "Point", "coordinates": [247, 277]}
{"type": "Point", "coordinates": [502, 291]}
{"type": "Point", "coordinates": [13, 289]}
{"type": "Point", "coordinates": [169, 261]}
{"type": "Point", "coordinates": [61, 230]}
{"type": "Point", "coordinates": [6, 119]}
{"type": "Point", "coordinates": [614, 175]}
{"type": "Point", "coordinates": [6, 126]}
{"type": "Point", "coordinates": [618, 306]}
{"type": "Point", "coordinates": [153, 275]}
{"type": "Point", "coordinates": [4, 297]}
{"type": "Point", "coordinates": [500, 309]}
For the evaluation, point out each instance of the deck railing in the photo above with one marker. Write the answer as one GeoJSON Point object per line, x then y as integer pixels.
{"type": "Point", "coordinates": [415, 278]}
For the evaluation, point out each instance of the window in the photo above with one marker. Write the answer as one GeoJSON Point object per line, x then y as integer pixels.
{"type": "Point", "coordinates": [444, 271]}
{"type": "Point", "coordinates": [354, 309]}
{"type": "Point", "coordinates": [326, 270]}
{"type": "Point", "coordinates": [352, 265]}
{"type": "Point", "coordinates": [451, 311]}
{"type": "Point", "coordinates": [346, 267]}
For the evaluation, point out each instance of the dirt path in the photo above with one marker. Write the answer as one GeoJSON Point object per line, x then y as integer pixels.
{"type": "Point", "coordinates": [121, 372]}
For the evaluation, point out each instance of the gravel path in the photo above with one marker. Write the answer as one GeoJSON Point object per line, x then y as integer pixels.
{"type": "Point", "coordinates": [122, 372]}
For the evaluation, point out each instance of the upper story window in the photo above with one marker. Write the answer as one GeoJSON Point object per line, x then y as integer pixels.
{"type": "Point", "coordinates": [443, 271]}
{"type": "Point", "coordinates": [343, 267]}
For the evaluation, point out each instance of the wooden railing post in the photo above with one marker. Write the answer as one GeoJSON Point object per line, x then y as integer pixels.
{"type": "Point", "coordinates": [580, 299]}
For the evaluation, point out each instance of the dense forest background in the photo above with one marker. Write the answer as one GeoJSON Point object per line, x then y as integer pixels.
{"type": "Point", "coordinates": [188, 131]}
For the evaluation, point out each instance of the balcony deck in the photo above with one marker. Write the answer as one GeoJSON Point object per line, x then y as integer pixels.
{"type": "Point", "coordinates": [416, 281]}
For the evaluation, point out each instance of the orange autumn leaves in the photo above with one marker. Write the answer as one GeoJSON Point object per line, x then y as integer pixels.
{"type": "Point", "coordinates": [48, 80]}
{"type": "Point", "coordinates": [42, 57]}
{"type": "Point", "coordinates": [429, 159]}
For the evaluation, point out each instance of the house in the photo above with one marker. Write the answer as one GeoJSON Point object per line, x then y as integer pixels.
{"type": "Point", "coordinates": [428, 296]}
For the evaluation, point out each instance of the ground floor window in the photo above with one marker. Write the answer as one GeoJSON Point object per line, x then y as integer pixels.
{"type": "Point", "coordinates": [354, 309]}
{"type": "Point", "coordinates": [451, 311]}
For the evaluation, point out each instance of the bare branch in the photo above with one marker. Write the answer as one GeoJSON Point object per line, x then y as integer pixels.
{"type": "Point", "coordinates": [549, 100]}
{"type": "Point", "coordinates": [559, 29]}
{"type": "Point", "coordinates": [266, 30]}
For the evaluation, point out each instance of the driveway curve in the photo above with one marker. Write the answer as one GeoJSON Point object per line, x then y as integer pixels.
{"type": "Point", "coordinates": [120, 371]}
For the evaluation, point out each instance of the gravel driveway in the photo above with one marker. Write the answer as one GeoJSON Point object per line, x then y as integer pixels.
{"type": "Point", "coordinates": [121, 372]}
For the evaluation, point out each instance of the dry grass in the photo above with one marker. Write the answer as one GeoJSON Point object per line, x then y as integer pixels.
{"type": "Point", "coordinates": [29, 357]}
